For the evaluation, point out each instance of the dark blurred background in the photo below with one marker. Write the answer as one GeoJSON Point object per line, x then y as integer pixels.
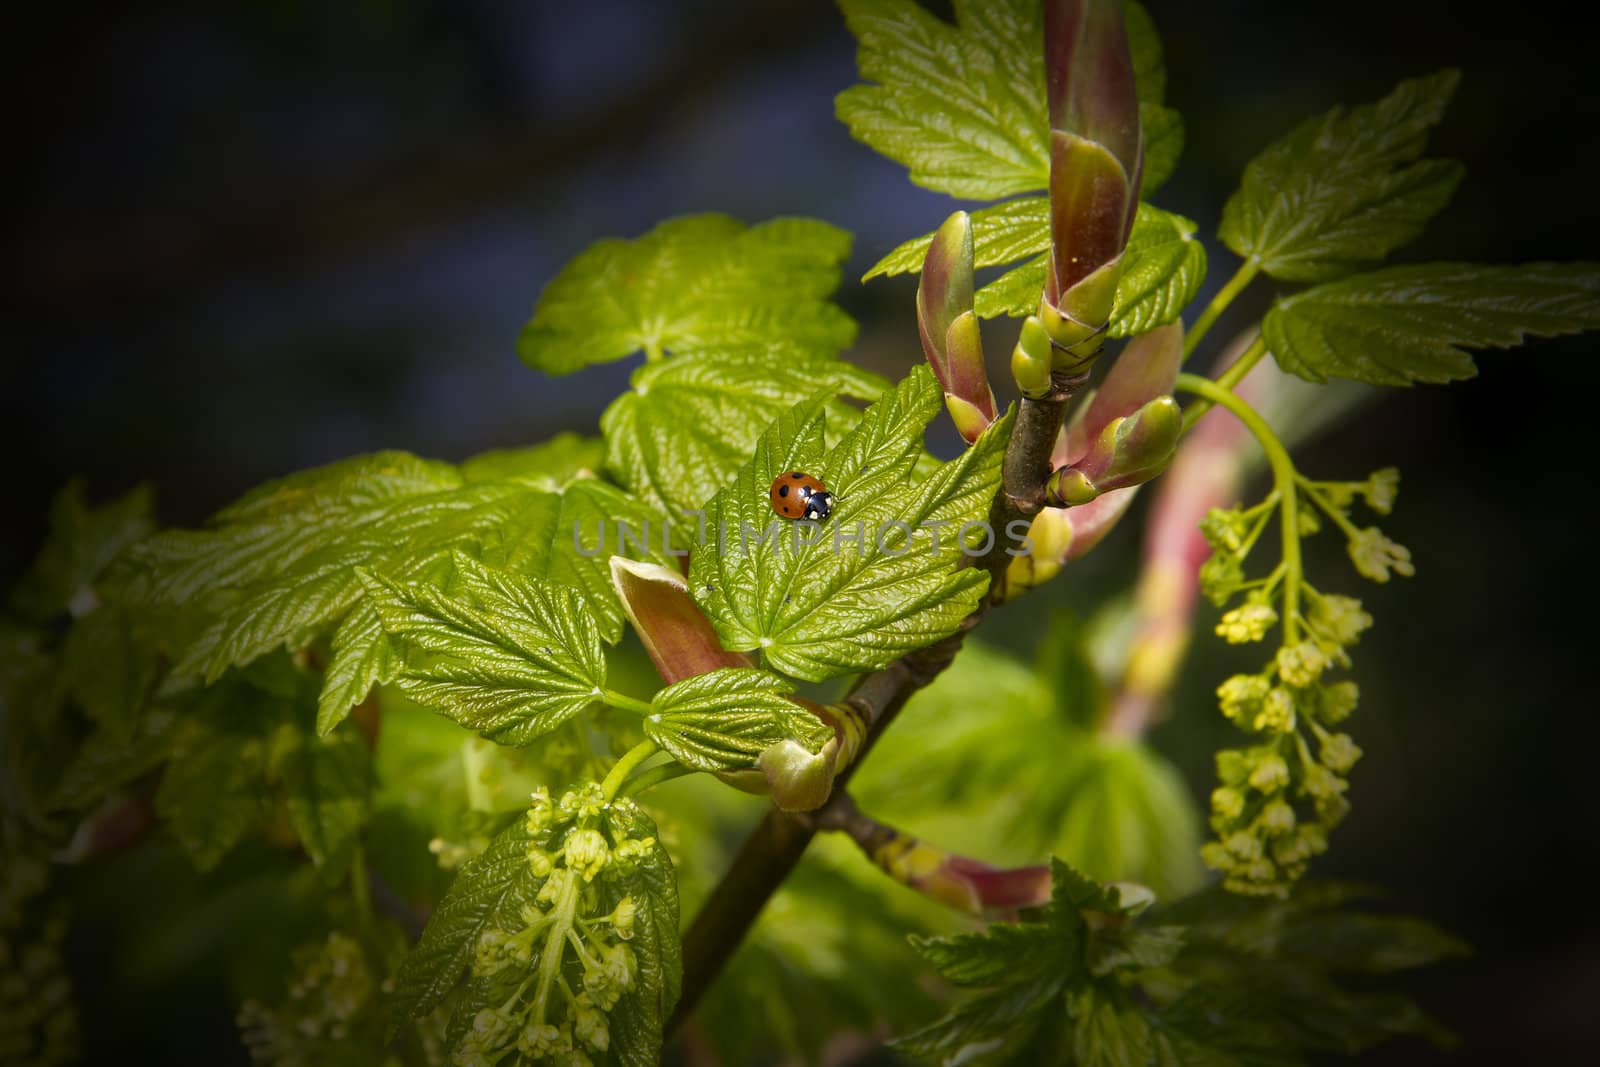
{"type": "Point", "coordinates": [263, 235]}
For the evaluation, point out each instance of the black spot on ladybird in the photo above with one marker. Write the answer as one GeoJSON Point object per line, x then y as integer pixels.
{"type": "Point", "coordinates": [783, 490]}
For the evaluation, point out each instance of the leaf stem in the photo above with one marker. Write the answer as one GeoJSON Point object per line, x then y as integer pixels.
{"type": "Point", "coordinates": [624, 702]}
{"type": "Point", "coordinates": [652, 352]}
{"type": "Point", "coordinates": [629, 760]}
{"type": "Point", "coordinates": [1228, 379]}
{"type": "Point", "coordinates": [1285, 478]}
{"type": "Point", "coordinates": [651, 777]}
{"type": "Point", "coordinates": [1219, 303]}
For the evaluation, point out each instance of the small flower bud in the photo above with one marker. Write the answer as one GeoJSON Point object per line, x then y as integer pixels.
{"type": "Point", "coordinates": [1381, 489]}
{"type": "Point", "coordinates": [1338, 701]}
{"type": "Point", "coordinates": [622, 918]}
{"type": "Point", "coordinates": [587, 852]}
{"type": "Point", "coordinates": [1341, 619]}
{"type": "Point", "coordinates": [1270, 775]}
{"type": "Point", "coordinates": [1225, 529]}
{"type": "Point", "coordinates": [1220, 577]}
{"type": "Point", "coordinates": [589, 1024]}
{"type": "Point", "coordinates": [488, 954]}
{"type": "Point", "coordinates": [490, 1027]}
{"type": "Point", "coordinates": [1246, 623]}
{"type": "Point", "coordinates": [1277, 819]}
{"type": "Point", "coordinates": [1244, 845]}
{"type": "Point", "coordinates": [1233, 766]}
{"type": "Point", "coordinates": [1277, 712]}
{"type": "Point", "coordinates": [1338, 753]}
{"type": "Point", "coordinates": [620, 966]}
{"type": "Point", "coordinates": [630, 853]}
{"type": "Point", "coordinates": [1227, 802]}
{"type": "Point", "coordinates": [1375, 556]}
{"type": "Point", "coordinates": [1241, 695]}
{"type": "Point", "coordinates": [1213, 855]}
{"type": "Point", "coordinates": [539, 861]}
{"type": "Point", "coordinates": [1322, 783]}
{"type": "Point", "coordinates": [1302, 664]}
{"type": "Point", "coordinates": [586, 801]}
{"type": "Point", "coordinates": [541, 1039]}
{"type": "Point", "coordinates": [540, 810]}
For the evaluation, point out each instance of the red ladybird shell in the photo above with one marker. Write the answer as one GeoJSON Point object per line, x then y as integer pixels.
{"type": "Point", "coordinates": [791, 490]}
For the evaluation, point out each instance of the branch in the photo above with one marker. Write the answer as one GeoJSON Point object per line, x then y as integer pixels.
{"type": "Point", "coordinates": [963, 883]}
{"type": "Point", "coordinates": [773, 849]}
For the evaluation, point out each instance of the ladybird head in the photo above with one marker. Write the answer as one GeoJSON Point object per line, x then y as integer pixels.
{"type": "Point", "coordinates": [819, 505]}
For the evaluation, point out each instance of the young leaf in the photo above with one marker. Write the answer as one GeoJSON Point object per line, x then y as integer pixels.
{"type": "Point", "coordinates": [327, 784]}
{"type": "Point", "coordinates": [1000, 234]}
{"type": "Point", "coordinates": [510, 657]}
{"type": "Point", "coordinates": [724, 719]}
{"type": "Point", "coordinates": [1406, 324]}
{"type": "Point", "coordinates": [1344, 190]}
{"type": "Point", "coordinates": [688, 423]}
{"type": "Point", "coordinates": [963, 106]}
{"type": "Point", "coordinates": [870, 584]}
{"type": "Point", "coordinates": [82, 541]}
{"type": "Point", "coordinates": [702, 283]}
{"type": "Point", "coordinates": [1163, 268]}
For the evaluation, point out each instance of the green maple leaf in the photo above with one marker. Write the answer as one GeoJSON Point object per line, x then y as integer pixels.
{"type": "Point", "coordinates": [702, 283]}
{"type": "Point", "coordinates": [962, 106]}
{"type": "Point", "coordinates": [279, 567]}
{"type": "Point", "coordinates": [549, 465]}
{"type": "Point", "coordinates": [834, 606]}
{"type": "Point", "coordinates": [688, 423]}
{"type": "Point", "coordinates": [1406, 324]}
{"type": "Point", "coordinates": [1345, 189]}
{"type": "Point", "coordinates": [508, 656]}
{"type": "Point", "coordinates": [725, 719]}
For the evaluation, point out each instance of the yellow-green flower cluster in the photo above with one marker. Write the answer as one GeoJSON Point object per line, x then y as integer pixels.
{"type": "Point", "coordinates": [330, 994]}
{"type": "Point", "coordinates": [1279, 797]}
{"type": "Point", "coordinates": [567, 963]}
{"type": "Point", "coordinates": [38, 1016]}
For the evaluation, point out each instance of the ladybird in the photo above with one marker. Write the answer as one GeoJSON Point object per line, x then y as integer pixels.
{"type": "Point", "coordinates": [800, 496]}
